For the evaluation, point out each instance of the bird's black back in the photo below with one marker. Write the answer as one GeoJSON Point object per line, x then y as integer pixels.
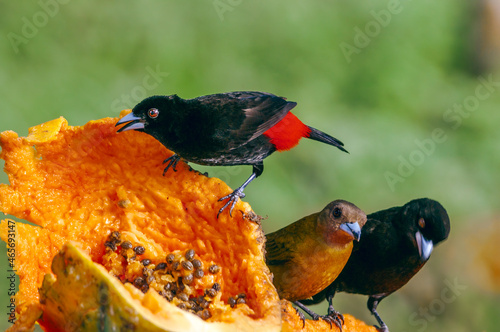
{"type": "Point", "coordinates": [219, 129]}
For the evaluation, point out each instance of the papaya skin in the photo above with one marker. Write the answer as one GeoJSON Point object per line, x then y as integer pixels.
{"type": "Point", "coordinates": [107, 304]}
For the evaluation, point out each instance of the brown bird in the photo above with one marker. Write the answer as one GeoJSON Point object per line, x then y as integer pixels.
{"type": "Point", "coordinates": [308, 255]}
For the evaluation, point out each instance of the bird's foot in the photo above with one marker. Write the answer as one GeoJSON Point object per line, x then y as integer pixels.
{"type": "Point", "coordinates": [336, 316]}
{"type": "Point", "coordinates": [382, 328]}
{"type": "Point", "coordinates": [332, 318]}
{"type": "Point", "coordinates": [232, 199]}
{"type": "Point", "coordinates": [372, 304]}
{"type": "Point", "coordinates": [172, 162]}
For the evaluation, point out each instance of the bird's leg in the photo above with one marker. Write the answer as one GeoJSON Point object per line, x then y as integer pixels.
{"type": "Point", "coordinates": [327, 318]}
{"type": "Point", "coordinates": [372, 304]}
{"type": "Point", "coordinates": [234, 196]}
{"type": "Point", "coordinates": [238, 193]}
{"type": "Point", "coordinates": [172, 162]}
{"type": "Point", "coordinates": [333, 314]}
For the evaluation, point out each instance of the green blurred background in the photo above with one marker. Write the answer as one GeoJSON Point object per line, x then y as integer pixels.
{"type": "Point", "coordinates": [379, 75]}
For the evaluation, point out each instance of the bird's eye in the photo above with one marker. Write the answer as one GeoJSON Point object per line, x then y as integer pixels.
{"type": "Point", "coordinates": [153, 113]}
{"type": "Point", "coordinates": [421, 223]}
{"type": "Point", "coordinates": [337, 212]}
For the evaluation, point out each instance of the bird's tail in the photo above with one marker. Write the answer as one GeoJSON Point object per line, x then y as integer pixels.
{"type": "Point", "coordinates": [320, 136]}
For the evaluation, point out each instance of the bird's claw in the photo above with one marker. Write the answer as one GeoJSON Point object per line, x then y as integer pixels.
{"type": "Point", "coordinates": [337, 316]}
{"type": "Point", "coordinates": [334, 318]}
{"type": "Point", "coordinates": [331, 318]}
{"type": "Point", "coordinates": [301, 316]}
{"type": "Point", "coordinates": [172, 162]}
{"type": "Point", "coordinates": [232, 199]}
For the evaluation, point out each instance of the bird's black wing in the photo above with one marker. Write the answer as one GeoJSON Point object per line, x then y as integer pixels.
{"type": "Point", "coordinates": [379, 239]}
{"type": "Point", "coordinates": [387, 215]}
{"type": "Point", "coordinates": [245, 115]}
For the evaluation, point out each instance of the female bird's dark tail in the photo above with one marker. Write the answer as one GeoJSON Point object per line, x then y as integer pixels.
{"type": "Point", "coordinates": [320, 136]}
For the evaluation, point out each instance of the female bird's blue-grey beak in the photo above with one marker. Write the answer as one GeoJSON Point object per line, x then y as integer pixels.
{"type": "Point", "coordinates": [353, 229]}
{"type": "Point", "coordinates": [134, 123]}
{"type": "Point", "coordinates": [424, 246]}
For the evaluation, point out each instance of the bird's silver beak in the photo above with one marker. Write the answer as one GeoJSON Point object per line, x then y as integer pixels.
{"type": "Point", "coordinates": [132, 123]}
{"type": "Point", "coordinates": [353, 229]}
{"type": "Point", "coordinates": [424, 246]}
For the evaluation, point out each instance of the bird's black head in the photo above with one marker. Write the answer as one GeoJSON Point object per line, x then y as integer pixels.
{"type": "Point", "coordinates": [153, 115]}
{"type": "Point", "coordinates": [426, 222]}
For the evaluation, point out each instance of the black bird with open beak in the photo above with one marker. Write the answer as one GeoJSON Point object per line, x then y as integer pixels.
{"type": "Point", "coordinates": [225, 129]}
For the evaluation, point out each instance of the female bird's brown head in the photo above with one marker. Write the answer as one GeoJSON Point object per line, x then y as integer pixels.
{"type": "Point", "coordinates": [340, 222]}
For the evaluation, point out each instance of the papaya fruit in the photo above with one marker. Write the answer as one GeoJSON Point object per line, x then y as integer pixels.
{"type": "Point", "coordinates": [117, 245]}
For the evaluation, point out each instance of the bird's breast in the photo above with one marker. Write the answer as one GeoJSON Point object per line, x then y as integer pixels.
{"type": "Point", "coordinates": [313, 271]}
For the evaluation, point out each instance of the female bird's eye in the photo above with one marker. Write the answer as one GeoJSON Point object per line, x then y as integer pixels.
{"type": "Point", "coordinates": [421, 223]}
{"type": "Point", "coordinates": [337, 212]}
{"type": "Point", "coordinates": [153, 113]}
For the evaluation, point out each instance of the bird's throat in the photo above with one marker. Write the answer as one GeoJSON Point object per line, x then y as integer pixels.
{"type": "Point", "coordinates": [338, 239]}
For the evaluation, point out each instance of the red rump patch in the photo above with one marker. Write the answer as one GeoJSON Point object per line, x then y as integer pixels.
{"type": "Point", "coordinates": [287, 133]}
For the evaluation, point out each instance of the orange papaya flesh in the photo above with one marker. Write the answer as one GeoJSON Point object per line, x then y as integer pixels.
{"type": "Point", "coordinates": [83, 186]}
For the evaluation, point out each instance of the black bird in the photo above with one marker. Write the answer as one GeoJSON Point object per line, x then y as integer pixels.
{"type": "Point", "coordinates": [235, 128]}
{"type": "Point", "coordinates": [395, 244]}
